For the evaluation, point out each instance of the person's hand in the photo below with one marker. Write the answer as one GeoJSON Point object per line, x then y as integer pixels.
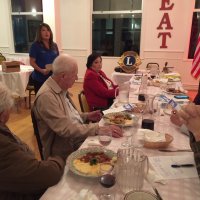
{"type": "Point", "coordinates": [190, 116]}
{"type": "Point", "coordinates": [116, 130]}
{"type": "Point", "coordinates": [94, 116]}
{"type": "Point", "coordinates": [44, 71]}
{"type": "Point", "coordinates": [175, 119]}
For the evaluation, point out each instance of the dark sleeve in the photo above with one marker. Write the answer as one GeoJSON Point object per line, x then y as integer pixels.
{"type": "Point", "coordinates": [195, 146]}
{"type": "Point", "coordinates": [21, 172]}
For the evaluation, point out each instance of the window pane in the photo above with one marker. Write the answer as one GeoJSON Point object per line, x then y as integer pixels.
{"type": "Point", "coordinates": [197, 4]}
{"type": "Point", "coordinates": [114, 34]}
{"type": "Point", "coordinates": [26, 5]}
{"type": "Point", "coordinates": [194, 34]}
{"type": "Point", "coordinates": [114, 5]}
{"type": "Point", "coordinates": [24, 30]}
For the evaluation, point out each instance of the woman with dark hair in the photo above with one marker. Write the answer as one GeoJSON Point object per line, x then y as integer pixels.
{"type": "Point", "coordinates": [42, 52]}
{"type": "Point", "coordinates": [99, 89]}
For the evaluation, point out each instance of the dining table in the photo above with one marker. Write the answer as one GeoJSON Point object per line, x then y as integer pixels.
{"type": "Point", "coordinates": [17, 81]}
{"type": "Point", "coordinates": [71, 184]}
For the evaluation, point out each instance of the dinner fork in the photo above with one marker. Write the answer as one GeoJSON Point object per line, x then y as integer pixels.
{"type": "Point", "coordinates": [154, 189]}
{"type": "Point", "coordinates": [157, 193]}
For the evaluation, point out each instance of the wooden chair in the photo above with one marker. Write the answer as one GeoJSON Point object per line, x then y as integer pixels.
{"type": "Point", "coordinates": [153, 68]}
{"type": "Point", "coordinates": [31, 90]}
{"type": "Point", "coordinates": [2, 58]}
{"type": "Point", "coordinates": [37, 135]}
{"type": "Point", "coordinates": [152, 65]}
{"type": "Point", "coordinates": [83, 102]}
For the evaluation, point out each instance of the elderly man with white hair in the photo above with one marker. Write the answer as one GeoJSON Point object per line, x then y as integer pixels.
{"type": "Point", "coordinates": [22, 176]}
{"type": "Point", "coordinates": [62, 128]}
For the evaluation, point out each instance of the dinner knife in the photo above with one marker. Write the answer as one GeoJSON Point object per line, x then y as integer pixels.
{"type": "Point", "coordinates": [175, 150]}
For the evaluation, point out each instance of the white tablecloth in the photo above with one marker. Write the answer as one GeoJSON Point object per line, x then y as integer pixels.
{"type": "Point", "coordinates": [175, 189]}
{"type": "Point", "coordinates": [17, 81]}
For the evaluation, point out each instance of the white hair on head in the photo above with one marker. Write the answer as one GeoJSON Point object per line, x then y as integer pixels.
{"type": "Point", "coordinates": [6, 100]}
{"type": "Point", "coordinates": [63, 63]}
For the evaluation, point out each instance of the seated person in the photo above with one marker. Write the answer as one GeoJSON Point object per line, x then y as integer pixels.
{"type": "Point", "coordinates": [99, 89]}
{"type": "Point", "coordinates": [176, 120]}
{"type": "Point", "coordinates": [62, 129]}
{"type": "Point", "coordinates": [22, 176]}
{"type": "Point", "coordinates": [190, 116]}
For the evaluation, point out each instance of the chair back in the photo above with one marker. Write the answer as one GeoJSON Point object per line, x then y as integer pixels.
{"type": "Point", "coordinates": [31, 89]}
{"type": "Point", "coordinates": [37, 135]}
{"type": "Point", "coordinates": [2, 58]}
{"type": "Point", "coordinates": [153, 69]}
{"type": "Point", "coordinates": [152, 65]}
{"type": "Point", "coordinates": [83, 102]}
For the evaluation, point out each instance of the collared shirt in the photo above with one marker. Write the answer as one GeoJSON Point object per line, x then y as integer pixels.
{"type": "Point", "coordinates": [107, 82]}
{"type": "Point", "coordinates": [74, 113]}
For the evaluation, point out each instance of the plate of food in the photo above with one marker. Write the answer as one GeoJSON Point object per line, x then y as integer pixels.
{"type": "Point", "coordinates": [120, 119]}
{"type": "Point", "coordinates": [174, 91]}
{"type": "Point", "coordinates": [86, 162]}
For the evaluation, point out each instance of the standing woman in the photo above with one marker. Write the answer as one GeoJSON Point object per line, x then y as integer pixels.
{"type": "Point", "coordinates": [99, 89]}
{"type": "Point", "coordinates": [42, 52]}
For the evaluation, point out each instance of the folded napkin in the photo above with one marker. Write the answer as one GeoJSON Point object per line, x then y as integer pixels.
{"type": "Point", "coordinates": [153, 177]}
{"type": "Point", "coordinates": [85, 194]}
{"type": "Point", "coordinates": [93, 142]}
{"type": "Point", "coordinates": [160, 80]}
{"type": "Point", "coordinates": [150, 136]}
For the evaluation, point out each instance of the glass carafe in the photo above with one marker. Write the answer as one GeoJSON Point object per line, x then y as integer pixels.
{"type": "Point", "coordinates": [131, 169]}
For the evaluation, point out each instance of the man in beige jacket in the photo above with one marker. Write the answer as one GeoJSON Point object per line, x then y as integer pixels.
{"type": "Point", "coordinates": [62, 128]}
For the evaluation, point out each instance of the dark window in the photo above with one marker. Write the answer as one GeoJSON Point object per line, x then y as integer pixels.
{"type": "Point", "coordinates": [195, 30]}
{"type": "Point", "coordinates": [116, 27]}
{"type": "Point", "coordinates": [115, 5]}
{"type": "Point", "coordinates": [26, 5]}
{"type": "Point", "coordinates": [197, 4]}
{"type": "Point", "coordinates": [26, 17]}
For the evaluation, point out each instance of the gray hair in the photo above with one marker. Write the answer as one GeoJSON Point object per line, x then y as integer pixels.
{"type": "Point", "coordinates": [63, 63]}
{"type": "Point", "coordinates": [6, 100]}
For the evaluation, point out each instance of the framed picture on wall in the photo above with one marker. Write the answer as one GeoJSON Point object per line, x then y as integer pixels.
{"type": "Point", "coordinates": [32, 28]}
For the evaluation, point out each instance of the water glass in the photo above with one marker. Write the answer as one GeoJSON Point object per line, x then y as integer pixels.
{"type": "Point", "coordinates": [105, 137]}
{"type": "Point", "coordinates": [127, 134]}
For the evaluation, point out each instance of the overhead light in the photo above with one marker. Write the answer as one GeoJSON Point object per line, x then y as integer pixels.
{"type": "Point", "coordinates": [133, 15]}
{"type": "Point", "coordinates": [34, 13]}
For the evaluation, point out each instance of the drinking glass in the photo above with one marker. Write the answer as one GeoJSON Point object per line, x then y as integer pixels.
{"type": "Point", "coordinates": [105, 137]}
{"type": "Point", "coordinates": [127, 134]}
{"type": "Point", "coordinates": [107, 180]}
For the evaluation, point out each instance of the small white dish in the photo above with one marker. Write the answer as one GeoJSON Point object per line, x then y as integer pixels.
{"type": "Point", "coordinates": [140, 195]}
